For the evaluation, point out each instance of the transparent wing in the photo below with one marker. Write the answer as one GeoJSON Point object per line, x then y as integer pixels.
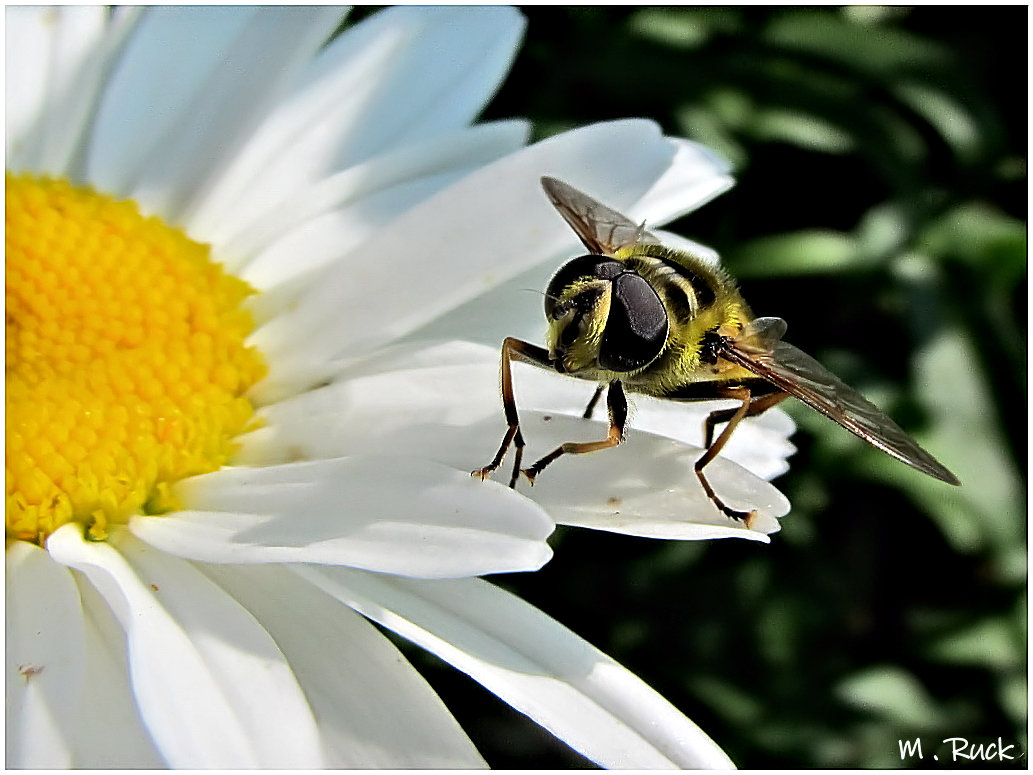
{"type": "Point", "coordinates": [602, 230]}
{"type": "Point", "coordinates": [761, 350]}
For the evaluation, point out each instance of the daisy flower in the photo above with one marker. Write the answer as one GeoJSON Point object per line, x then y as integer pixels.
{"type": "Point", "coordinates": [231, 441]}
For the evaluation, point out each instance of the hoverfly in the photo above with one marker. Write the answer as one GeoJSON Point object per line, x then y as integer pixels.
{"type": "Point", "coordinates": [633, 315]}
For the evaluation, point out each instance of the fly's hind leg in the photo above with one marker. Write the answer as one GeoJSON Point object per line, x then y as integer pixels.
{"type": "Point", "coordinates": [536, 356]}
{"type": "Point", "coordinates": [749, 407]}
{"type": "Point", "coordinates": [617, 405]}
{"type": "Point", "coordinates": [758, 405]}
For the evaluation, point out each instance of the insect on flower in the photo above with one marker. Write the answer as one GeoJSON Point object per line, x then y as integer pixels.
{"type": "Point", "coordinates": [633, 315]}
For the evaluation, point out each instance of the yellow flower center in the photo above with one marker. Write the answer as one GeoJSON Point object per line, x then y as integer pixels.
{"type": "Point", "coordinates": [126, 364]}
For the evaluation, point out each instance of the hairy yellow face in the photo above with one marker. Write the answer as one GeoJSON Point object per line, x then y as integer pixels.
{"type": "Point", "coordinates": [576, 325]}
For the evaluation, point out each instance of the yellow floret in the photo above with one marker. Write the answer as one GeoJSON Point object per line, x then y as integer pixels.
{"type": "Point", "coordinates": [126, 363]}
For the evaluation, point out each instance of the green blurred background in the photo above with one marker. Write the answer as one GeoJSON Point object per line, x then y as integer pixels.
{"type": "Point", "coordinates": [880, 209]}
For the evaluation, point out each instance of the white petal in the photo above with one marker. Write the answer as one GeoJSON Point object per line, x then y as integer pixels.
{"type": "Point", "coordinates": [211, 685]}
{"type": "Point", "coordinates": [28, 38]}
{"type": "Point", "coordinates": [251, 670]}
{"type": "Point", "coordinates": [697, 175]}
{"type": "Point", "coordinates": [323, 239]}
{"type": "Point", "coordinates": [45, 659]}
{"type": "Point", "coordinates": [109, 702]}
{"type": "Point", "coordinates": [166, 63]}
{"type": "Point", "coordinates": [532, 662]}
{"type": "Point", "coordinates": [248, 230]}
{"type": "Point", "coordinates": [759, 444]}
{"type": "Point", "coordinates": [56, 58]}
{"type": "Point", "coordinates": [393, 515]}
{"type": "Point", "coordinates": [644, 487]}
{"type": "Point", "coordinates": [402, 399]}
{"type": "Point", "coordinates": [396, 78]}
{"type": "Point", "coordinates": [451, 62]}
{"type": "Point", "coordinates": [84, 55]}
{"type": "Point", "coordinates": [65, 691]}
{"type": "Point", "coordinates": [511, 308]}
{"type": "Point", "coordinates": [374, 709]}
{"type": "Point", "coordinates": [514, 308]}
{"type": "Point", "coordinates": [354, 206]}
{"type": "Point", "coordinates": [473, 235]}
{"type": "Point", "coordinates": [236, 99]}
{"type": "Point", "coordinates": [190, 88]}
{"type": "Point", "coordinates": [75, 59]}
{"type": "Point", "coordinates": [433, 355]}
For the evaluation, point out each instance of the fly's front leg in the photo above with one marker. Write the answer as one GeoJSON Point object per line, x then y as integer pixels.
{"type": "Point", "coordinates": [593, 401]}
{"type": "Point", "coordinates": [617, 405]}
{"type": "Point", "coordinates": [537, 356]}
{"type": "Point", "coordinates": [748, 408]}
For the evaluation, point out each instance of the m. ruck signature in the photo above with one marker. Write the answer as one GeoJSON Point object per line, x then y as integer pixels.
{"type": "Point", "coordinates": [961, 749]}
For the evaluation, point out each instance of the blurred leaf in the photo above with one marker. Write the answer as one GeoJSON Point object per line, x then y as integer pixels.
{"type": "Point", "coordinates": [789, 738]}
{"type": "Point", "coordinates": [877, 51]}
{"type": "Point", "coordinates": [628, 635]}
{"type": "Point", "coordinates": [674, 29]}
{"type": "Point", "coordinates": [803, 130]}
{"type": "Point", "coordinates": [734, 704]}
{"type": "Point", "coordinates": [893, 693]}
{"type": "Point", "coordinates": [992, 643]}
{"type": "Point", "coordinates": [986, 511]}
{"type": "Point", "coordinates": [1014, 697]}
{"type": "Point", "coordinates": [778, 631]}
{"type": "Point", "coordinates": [799, 252]}
{"type": "Point", "coordinates": [982, 237]}
{"type": "Point", "coordinates": [701, 124]}
{"type": "Point", "coordinates": [730, 105]}
{"type": "Point", "coordinates": [884, 230]}
{"type": "Point", "coordinates": [948, 116]}
{"type": "Point", "coordinates": [669, 558]}
{"type": "Point", "coordinates": [871, 15]}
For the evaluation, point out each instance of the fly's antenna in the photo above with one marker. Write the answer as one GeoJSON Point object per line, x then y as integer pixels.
{"type": "Point", "coordinates": [542, 293]}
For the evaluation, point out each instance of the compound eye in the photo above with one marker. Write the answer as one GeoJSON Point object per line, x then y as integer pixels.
{"type": "Point", "coordinates": [581, 268]}
{"type": "Point", "coordinates": [636, 329]}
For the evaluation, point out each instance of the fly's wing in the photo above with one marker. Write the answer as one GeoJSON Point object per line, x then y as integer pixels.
{"type": "Point", "coordinates": [602, 230]}
{"type": "Point", "coordinates": [760, 349]}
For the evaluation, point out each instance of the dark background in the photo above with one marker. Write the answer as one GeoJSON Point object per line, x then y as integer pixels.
{"type": "Point", "coordinates": [880, 209]}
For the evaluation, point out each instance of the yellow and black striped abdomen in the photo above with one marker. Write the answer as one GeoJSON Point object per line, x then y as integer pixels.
{"type": "Point", "coordinates": [688, 284]}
